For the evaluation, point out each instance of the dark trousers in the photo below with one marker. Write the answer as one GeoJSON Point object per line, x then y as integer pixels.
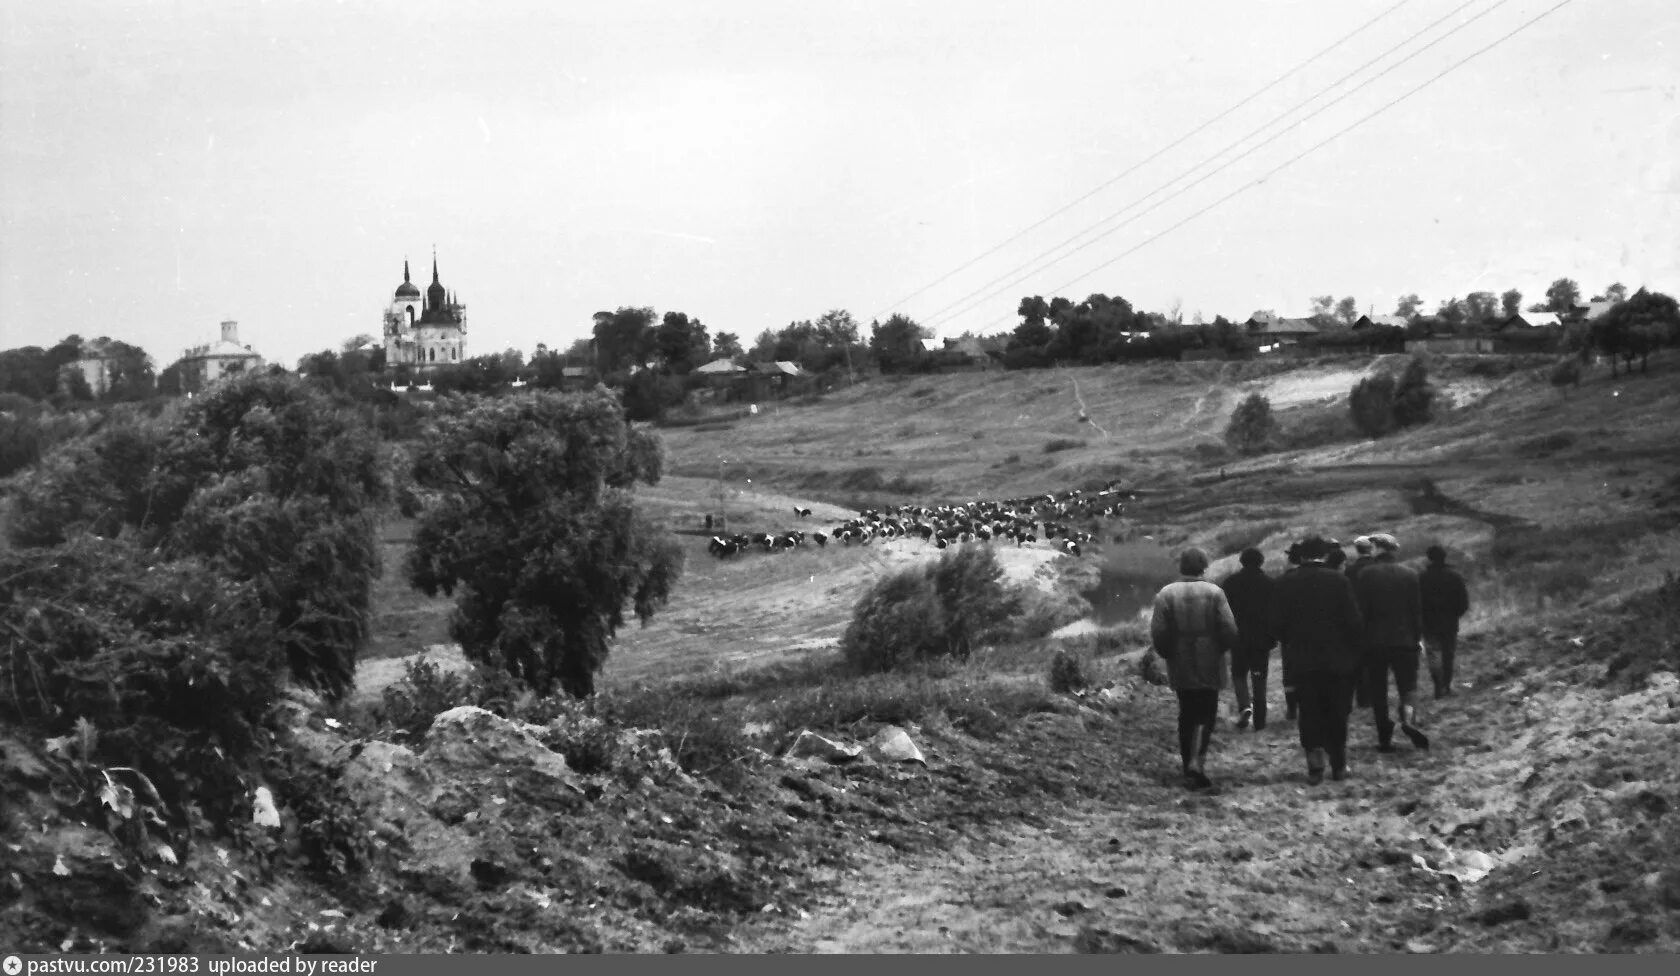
{"type": "Point", "coordinates": [1402, 662]}
{"type": "Point", "coordinates": [1442, 646]}
{"type": "Point", "coordinates": [1196, 709]}
{"type": "Point", "coordinates": [1248, 673]}
{"type": "Point", "coordinates": [1325, 701]}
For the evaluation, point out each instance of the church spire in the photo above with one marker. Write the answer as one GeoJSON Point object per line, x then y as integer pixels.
{"type": "Point", "coordinates": [405, 272]}
{"type": "Point", "coordinates": [434, 266]}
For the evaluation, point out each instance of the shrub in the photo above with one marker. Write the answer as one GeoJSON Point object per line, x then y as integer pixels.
{"type": "Point", "coordinates": [168, 571]}
{"type": "Point", "coordinates": [1062, 444]}
{"type": "Point", "coordinates": [1372, 404]}
{"type": "Point", "coordinates": [944, 609]}
{"type": "Point", "coordinates": [1252, 426]}
{"type": "Point", "coordinates": [534, 522]}
{"type": "Point", "coordinates": [1067, 672]}
{"type": "Point", "coordinates": [1414, 397]}
{"type": "Point", "coordinates": [1566, 373]}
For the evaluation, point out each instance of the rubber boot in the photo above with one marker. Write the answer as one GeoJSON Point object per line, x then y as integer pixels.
{"type": "Point", "coordinates": [1408, 725]}
{"type": "Point", "coordinates": [1385, 735]}
{"type": "Point", "coordinates": [1338, 763]}
{"type": "Point", "coordinates": [1259, 703]}
{"type": "Point", "coordinates": [1291, 710]}
{"type": "Point", "coordinates": [1198, 778]}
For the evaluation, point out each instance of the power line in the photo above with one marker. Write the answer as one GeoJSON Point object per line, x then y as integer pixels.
{"type": "Point", "coordinates": [1134, 168]}
{"type": "Point", "coordinates": [1310, 150]}
{"type": "Point", "coordinates": [1044, 261]}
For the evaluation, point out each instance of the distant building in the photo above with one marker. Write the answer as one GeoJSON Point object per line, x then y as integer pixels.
{"type": "Point", "coordinates": [1271, 332]}
{"type": "Point", "coordinates": [95, 366]}
{"type": "Point", "coordinates": [424, 332]}
{"type": "Point", "coordinates": [201, 366]}
{"type": "Point", "coordinates": [1588, 311]}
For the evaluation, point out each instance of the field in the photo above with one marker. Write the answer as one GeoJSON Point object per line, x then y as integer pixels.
{"type": "Point", "coordinates": [1543, 819]}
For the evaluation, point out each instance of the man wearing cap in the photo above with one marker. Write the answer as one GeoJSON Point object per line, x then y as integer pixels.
{"type": "Point", "coordinates": [1315, 616]}
{"type": "Point", "coordinates": [1291, 707]}
{"type": "Point", "coordinates": [1391, 603]}
{"type": "Point", "coordinates": [1192, 629]}
{"type": "Point", "coordinates": [1249, 591]}
{"type": "Point", "coordinates": [1445, 599]}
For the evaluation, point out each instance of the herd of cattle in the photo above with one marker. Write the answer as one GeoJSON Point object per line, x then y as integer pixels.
{"type": "Point", "coordinates": [1021, 520]}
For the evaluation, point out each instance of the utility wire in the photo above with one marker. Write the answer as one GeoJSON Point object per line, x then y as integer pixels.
{"type": "Point", "coordinates": [1309, 151]}
{"type": "Point", "coordinates": [1044, 261]}
{"type": "Point", "coordinates": [1134, 168]}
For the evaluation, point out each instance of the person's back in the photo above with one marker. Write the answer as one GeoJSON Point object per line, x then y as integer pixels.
{"type": "Point", "coordinates": [1390, 603]}
{"type": "Point", "coordinates": [1192, 622]}
{"type": "Point", "coordinates": [1315, 617]}
{"type": "Point", "coordinates": [1249, 591]}
{"type": "Point", "coordinates": [1444, 597]}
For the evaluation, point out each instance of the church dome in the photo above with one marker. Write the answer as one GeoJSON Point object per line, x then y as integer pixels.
{"type": "Point", "coordinates": [407, 289]}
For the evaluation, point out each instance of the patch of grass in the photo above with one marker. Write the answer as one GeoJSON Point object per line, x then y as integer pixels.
{"type": "Point", "coordinates": [1068, 672]}
{"type": "Point", "coordinates": [1546, 444]}
{"type": "Point", "coordinates": [1245, 536]}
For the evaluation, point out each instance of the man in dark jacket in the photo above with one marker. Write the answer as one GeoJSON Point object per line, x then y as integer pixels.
{"type": "Point", "coordinates": [1445, 600]}
{"type": "Point", "coordinates": [1315, 616]}
{"type": "Point", "coordinates": [1249, 591]}
{"type": "Point", "coordinates": [1291, 706]}
{"type": "Point", "coordinates": [1391, 604]}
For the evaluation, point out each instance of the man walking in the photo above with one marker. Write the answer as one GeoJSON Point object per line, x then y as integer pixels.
{"type": "Point", "coordinates": [1291, 706]}
{"type": "Point", "coordinates": [1249, 592]}
{"type": "Point", "coordinates": [1192, 629]}
{"type": "Point", "coordinates": [1445, 600]}
{"type": "Point", "coordinates": [1390, 601]}
{"type": "Point", "coordinates": [1315, 616]}
{"type": "Point", "coordinates": [1362, 549]}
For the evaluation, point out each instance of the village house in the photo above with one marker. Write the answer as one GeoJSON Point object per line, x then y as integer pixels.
{"type": "Point", "coordinates": [1271, 332]}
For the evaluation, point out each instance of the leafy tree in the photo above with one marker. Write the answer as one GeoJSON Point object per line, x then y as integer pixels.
{"type": "Point", "coordinates": [535, 531]}
{"type": "Point", "coordinates": [726, 345]}
{"type": "Point", "coordinates": [1033, 310]}
{"type": "Point", "coordinates": [1480, 307]}
{"type": "Point", "coordinates": [1252, 426]}
{"type": "Point", "coordinates": [1452, 311]}
{"type": "Point", "coordinates": [682, 343]}
{"type": "Point", "coordinates": [25, 372]}
{"type": "Point", "coordinates": [1347, 310]}
{"type": "Point", "coordinates": [1615, 293]}
{"type": "Point", "coordinates": [623, 338]}
{"type": "Point", "coordinates": [1510, 303]}
{"type": "Point", "coordinates": [897, 343]}
{"type": "Point", "coordinates": [1408, 305]}
{"type": "Point", "coordinates": [1323, 308]}
{"type": "Point", "coordinates": [1636, 328]}
{"type": "Point", "coordinates": [1372, 404]}
{"type": "Point", "coordinates": [1414, 397]}
{"type": "Point", "coordinates": [1563, 295]}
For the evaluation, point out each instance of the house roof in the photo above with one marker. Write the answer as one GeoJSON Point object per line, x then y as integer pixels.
{"type": "Point", "coordinates": [1391, 321]}
{"type": "Point", "coordinates": [569, 371]}
{"type": "Point", "coordinates": [781, 366]}
{"type": "Point", "coordinates": [1592, 310]}
{"type": "Point", "coordinates": [1534, 320]}
{"type": "Point", "coordinates": [221, 348]}
{"type": "Point", "coordinates": [1271, 326]}
{"type": "Point", "coordinates": [721, 366]}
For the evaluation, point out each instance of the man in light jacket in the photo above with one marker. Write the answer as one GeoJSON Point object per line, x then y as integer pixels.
{"type": "Point", "coordinates": [1192, 629]}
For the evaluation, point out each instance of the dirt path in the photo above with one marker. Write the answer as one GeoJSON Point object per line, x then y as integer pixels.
{"type": "Point", "coordinates": [1267, 863]}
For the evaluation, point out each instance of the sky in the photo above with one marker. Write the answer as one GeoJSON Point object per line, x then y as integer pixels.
{"type": "Point", "coordinates": [168, 165]}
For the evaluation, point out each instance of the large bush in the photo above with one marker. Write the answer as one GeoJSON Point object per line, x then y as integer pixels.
{"type": "Point", "coordinates": [1252, 426]}
{"type": "Point", "coordinates": [532, 519]}
{"type": "Point", "coordinates": [941, 610]}
{"type": "Point", "coordinates": [1372, 404]}
{"type": "Point", "coordinates": [166, 573]}
{"type": "Point", "coordinates": [1414, 397]}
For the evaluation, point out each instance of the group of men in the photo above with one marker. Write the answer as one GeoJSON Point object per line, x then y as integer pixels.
{"type": "Point", "coordinates": [1344, 628]}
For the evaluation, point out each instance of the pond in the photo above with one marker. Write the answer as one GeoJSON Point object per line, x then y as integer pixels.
{"type": "Point", "coordinates": [1131, 574]}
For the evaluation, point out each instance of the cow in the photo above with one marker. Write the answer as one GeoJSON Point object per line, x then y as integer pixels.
{"type": "Point", "coordinates": [801, 512]}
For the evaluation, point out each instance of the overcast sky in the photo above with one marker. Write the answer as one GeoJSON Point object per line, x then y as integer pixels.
{"type": "Point", "coordinates": [168, 165]}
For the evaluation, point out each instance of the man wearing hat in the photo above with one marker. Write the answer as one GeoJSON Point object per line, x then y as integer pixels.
{"type": "Point", "coordinates": [1391, 603]}
{"type": "Point", "coordinates": [1315, 616]}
